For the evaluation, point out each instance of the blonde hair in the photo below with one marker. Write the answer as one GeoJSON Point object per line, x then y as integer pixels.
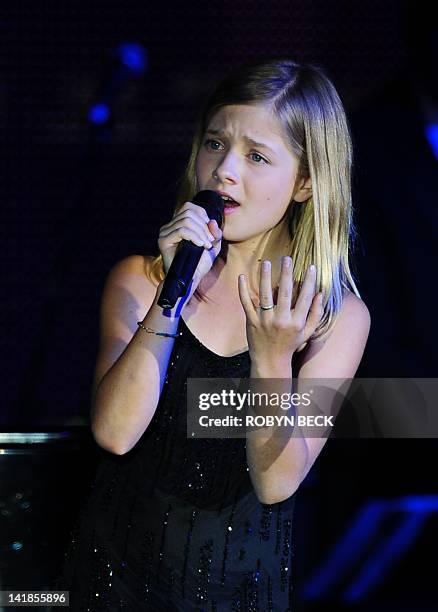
{"type": "Point", "coordinates": [307, 106]}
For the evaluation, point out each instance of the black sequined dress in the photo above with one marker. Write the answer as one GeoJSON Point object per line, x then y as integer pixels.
{"type": "Point", "coordinates": [175, 524]}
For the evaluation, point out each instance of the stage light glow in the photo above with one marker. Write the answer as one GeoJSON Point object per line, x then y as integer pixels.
{"type": "Point", "coordinates": [388, 552]}
{"type": "Point", "coordinates": [432, 137]}
{"type": "Point", "coordinates": [133, 56]}
{"type": "Point", "coordinates": [361, 541]}
{"type": "Point", "coordinates": [99, 113]}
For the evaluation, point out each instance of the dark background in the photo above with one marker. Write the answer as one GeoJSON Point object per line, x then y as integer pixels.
{"type": "Point", "coordinates": [54, 59]}
{"type": "Point", "coordinates": [76, 199]}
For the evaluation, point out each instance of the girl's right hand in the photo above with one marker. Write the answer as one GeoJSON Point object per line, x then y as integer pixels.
{"type": "Point", "coordinates": [191, 223]}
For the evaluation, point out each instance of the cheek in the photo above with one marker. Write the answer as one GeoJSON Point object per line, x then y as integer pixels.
{"type": "Point", "coordinates": [275, 200]}
{"type": "Point", "coordinates": [281, 195]}
{"type": "Point", "coordinates": [277, 192]}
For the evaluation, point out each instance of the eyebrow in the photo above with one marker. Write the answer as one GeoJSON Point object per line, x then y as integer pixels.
{"type": "Point", "coordinates": [254, 143]}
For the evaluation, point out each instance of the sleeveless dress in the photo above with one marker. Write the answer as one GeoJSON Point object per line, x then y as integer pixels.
{"type": "Point", "coordinates": [175, 524]}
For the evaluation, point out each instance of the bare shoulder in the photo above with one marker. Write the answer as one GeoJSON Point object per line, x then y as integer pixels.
{"type": "Point", "coordinates": [127, 296]}
{"type": "Point", "coordinates": [354, 314]}
{"type": "Point", "coordinates": [128, 293]}
{"type": "Point", "coordinates": [337, 354]}
{"type": "Point", "coordinates": [133, 270]}
{"type": "Point", "coordinates": [352, 304]}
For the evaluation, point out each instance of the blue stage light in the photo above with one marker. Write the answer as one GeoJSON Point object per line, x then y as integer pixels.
{"type": "Point", "coordinates": [133, 56]}
{"type": "Point", "coordinates": [432, 136]}
{"type": "Point", "coordinates": [360, 542]}
{"type": "Point", "coordinates": [348, 550]}
{"type": "Point", "coordinates": [99, 113]}
{"type": "Point", "coordinates": [388, 552]}
{"type": "Point", "coordinates": [418, 503]}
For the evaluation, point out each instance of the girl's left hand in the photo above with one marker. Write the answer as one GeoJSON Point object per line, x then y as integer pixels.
{"type": "Point", "coordinates": [274, 335]}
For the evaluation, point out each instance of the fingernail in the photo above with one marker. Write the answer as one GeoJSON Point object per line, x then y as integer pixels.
{"type": "Point", "coordinates": [287, 261]}
{"type": "Point", "coordinates": [312, 268]}
{"type": "Point", "coordinates": [266, 265]}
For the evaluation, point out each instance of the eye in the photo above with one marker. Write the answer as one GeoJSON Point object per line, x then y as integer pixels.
{"type": "Point", "coordinates": [262, 158]}
{"type": "Point", "coordinates": [209, 141]}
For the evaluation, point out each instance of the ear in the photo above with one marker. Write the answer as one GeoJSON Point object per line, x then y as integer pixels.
{"type": "Point", "coordinates": [304, 191]}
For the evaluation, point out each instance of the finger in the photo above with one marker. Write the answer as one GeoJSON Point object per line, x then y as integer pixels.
{"type": "Point", "coordinates": [194, 217]}
{"type": "Point", "coordinates": [284, 297]}
{"type": "Point", "coordinates": [198, 210]}
{"type": "Point", "coordinates": [265, 287]}
{"type": "Point", "coordinates": [315, 315]}
{"type": "Point", "coordinates": [305, 297]}
{"type": "Point", "coordinates": [189, 214]}
{"type": "Point", "coordinates": [184, 233]}
{"type": "Point", "coordinates": [245, 300]}
{"type": "Point", "coordinates": [217, 233]}
{"type": "Point", "coordinates": [191, 224]}
{"type": "Point", "coordinates": [215, 229]}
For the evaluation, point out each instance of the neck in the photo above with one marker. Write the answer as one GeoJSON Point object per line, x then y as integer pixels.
{"type": "Point", "coordinates": [246, 256]}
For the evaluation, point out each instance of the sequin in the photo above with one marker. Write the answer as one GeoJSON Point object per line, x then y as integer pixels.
{"type": "Point", "coordinates": [278, 529]}
{"type": "Point", "coordinates": [285, 555]}
{"type": "Point", "coordinates": [163, 539]}
{"type": "Point", "coordinates": [265, 523]}
{"type": "Point", "coordinates": [205, 557]}
{"type": "Point", "coordinates": [227, 537]}
{"type": "Point", "coordinates": [187, 548]}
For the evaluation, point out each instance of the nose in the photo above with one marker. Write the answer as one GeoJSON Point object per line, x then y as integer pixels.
{"type": "Point", "coordinates": [227, 170]}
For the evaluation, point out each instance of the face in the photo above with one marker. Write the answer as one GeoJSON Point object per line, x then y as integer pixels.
{"type": "Point", "coordinates": [260, 178]}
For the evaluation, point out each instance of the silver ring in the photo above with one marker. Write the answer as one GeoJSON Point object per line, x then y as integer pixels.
{"type": "Point", "coordinates": [267, 307]}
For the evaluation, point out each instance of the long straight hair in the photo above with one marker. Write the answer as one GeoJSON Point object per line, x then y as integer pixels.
{"type": "Point", "coordinates": [307, 106]}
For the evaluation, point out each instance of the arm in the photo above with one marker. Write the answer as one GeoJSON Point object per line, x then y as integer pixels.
{"type": "Point", "coordinates": [277, 467]}
{"type": "Point", "coordinates": [131, 364]}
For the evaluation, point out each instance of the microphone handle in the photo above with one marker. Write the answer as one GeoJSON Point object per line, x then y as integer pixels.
{"type": "Point", "coordinates": [180, 273]}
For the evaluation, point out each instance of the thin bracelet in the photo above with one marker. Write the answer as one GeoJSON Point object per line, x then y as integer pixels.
{"type": "Point", "coordinates": [157, 333]}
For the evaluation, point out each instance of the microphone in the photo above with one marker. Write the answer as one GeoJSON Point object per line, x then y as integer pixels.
{"type": "Point", "coordinates": [188, 254]}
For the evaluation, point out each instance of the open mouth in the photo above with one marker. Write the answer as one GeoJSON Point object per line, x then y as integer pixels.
{"type": "Point", "coordinates": [229, 202]}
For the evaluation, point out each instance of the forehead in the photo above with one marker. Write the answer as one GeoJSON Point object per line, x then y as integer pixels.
{"type": "Point", "coordinates": [253, 121]}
